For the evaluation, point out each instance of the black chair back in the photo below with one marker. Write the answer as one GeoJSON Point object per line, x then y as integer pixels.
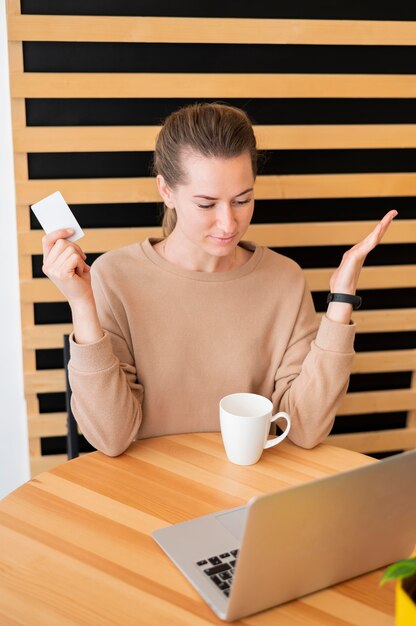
{"type": "Point", "coordinates": [72, 439]}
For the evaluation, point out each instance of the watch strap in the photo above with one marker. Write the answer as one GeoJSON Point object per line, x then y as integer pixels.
{"type": "Point", "coordinates": [345, 297]}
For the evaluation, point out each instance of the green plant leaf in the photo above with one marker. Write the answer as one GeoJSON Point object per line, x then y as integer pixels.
{"type": "Point", "coordinates": [401, 569]}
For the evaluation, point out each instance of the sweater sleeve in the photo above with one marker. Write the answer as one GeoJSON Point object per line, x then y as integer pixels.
{"type": "Point", "coordinates": [106, 395]}
{"type": "Point", "coordinates": [312, 378]}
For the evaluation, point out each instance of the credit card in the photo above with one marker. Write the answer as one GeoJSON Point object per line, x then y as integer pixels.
{"type": "Point", "coordinates": [53, 213]}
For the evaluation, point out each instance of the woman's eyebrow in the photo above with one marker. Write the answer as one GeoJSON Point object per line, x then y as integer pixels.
{"type": "Point", "coordinates": [211, 198]}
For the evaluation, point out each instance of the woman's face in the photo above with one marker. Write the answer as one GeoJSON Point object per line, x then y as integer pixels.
{"type": "Point", "coordinates": [215, 205]}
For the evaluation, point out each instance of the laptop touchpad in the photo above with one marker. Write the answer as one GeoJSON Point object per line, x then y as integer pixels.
{"type": "Point", "coordinates": [233, 521]}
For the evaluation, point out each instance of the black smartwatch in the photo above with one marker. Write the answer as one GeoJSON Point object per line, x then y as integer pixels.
{"type": "Point", "coordinates": [344, 297]}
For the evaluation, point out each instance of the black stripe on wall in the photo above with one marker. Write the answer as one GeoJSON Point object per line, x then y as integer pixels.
{"type": "Point", "coordinates": [54, 56]}
{"type": "Point", "coordinates": [364, 342]}
{"type": "Point", "coordinates": [142, 111]}
{"type": "Point", "coordinates": [302, 9]}
{"type": "Point", "coordinates": [330, 256]}
{"type": "Point", "coordinates": [265, 212]}
{"type": "Point", "coordinates": [374, 299]}
{"type": "Point", "coordinates": [53, 359]}
{"type": "Point", "coordinates": [368, 421]}
{"type": "Point", "coordinates": [308, 256]}
{"type": "Point", "coordinates": [133, 164]}
{"type": "Point", "coordinates": [57, 445]}
{"type": "Point", "coordinates": [372, 342]}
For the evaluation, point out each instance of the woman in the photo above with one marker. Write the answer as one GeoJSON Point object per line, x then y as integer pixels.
{"type": "Point", "coordinates": [163, 329]}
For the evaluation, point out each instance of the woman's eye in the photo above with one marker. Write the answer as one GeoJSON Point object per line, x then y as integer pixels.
{"type": "Point", "coordinates": [209, 206]}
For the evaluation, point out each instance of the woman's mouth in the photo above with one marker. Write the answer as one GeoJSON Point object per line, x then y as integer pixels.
{"type": "Point", "coordinates": [223, 239]}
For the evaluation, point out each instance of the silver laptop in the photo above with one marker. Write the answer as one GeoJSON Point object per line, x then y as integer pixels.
{"type": "Point", "coordinates": [283, 545]}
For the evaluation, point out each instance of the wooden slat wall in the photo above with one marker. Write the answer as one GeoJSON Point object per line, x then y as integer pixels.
{"type": "Point", "coordinates": [211, 30]}
{"type": "Point", "coordinates": [28, 140]}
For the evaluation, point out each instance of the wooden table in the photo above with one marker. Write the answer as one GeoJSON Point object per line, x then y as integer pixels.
{"type": "Point", "coordinates": [75, 544]}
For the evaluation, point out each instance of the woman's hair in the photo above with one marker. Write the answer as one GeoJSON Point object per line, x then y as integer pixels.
{"type": "Point", "coordinates": [212, 130]}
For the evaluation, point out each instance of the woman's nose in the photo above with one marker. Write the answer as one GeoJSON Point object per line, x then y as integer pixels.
{"type": "Point", "coordinates": [226, 220]}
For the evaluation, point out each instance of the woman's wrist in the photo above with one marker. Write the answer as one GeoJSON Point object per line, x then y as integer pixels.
{"type": "Point", "coordinates": [87, 327]}
{"type": "Point", "coordinates": [344, 296]}
{"type": "Point", "coordinates": [339, 312]}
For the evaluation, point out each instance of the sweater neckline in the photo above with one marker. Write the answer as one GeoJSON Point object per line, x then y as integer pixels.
{"type": "Point", "coordinates": [154, 257]}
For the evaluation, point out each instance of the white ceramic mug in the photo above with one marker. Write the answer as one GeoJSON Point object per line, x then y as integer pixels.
{"type": "Point", "coordinates": [245, 420]}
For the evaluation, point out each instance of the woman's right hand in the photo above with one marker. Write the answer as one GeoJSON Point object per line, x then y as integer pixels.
{"type": "Point", "coordinates": [64, 263]}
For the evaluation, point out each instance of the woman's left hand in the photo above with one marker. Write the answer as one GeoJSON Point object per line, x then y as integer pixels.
{"type": "Point", "coordinates": [345, 277]}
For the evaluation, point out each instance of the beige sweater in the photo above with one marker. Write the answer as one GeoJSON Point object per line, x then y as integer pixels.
{"type": "Point", "coordinates": [176, 341]}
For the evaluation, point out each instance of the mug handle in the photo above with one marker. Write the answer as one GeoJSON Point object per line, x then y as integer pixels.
{"type": "Point", "coordinates": [276, 440]}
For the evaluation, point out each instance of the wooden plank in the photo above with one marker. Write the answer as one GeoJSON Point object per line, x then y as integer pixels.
{"type": "Point", "coordinates": [209, 85]}
{"type": "Point", "coordinates": [384, 321]}
{"type": "Point", "coordinates": [411, 416]}
{"type": "Point", "coordinates": [46, 336]}
{"type": "Point", "coordinates": [47, 425]}
{"type": "Point", "coordinates": [95, 240]}
{"type": "Point", "coordinates": [18, 110]}
{"type": "Point", "coordinates": [273, 187]}
{"type": "Point", "coordinates": [40, 290]}
{"type": "Point", "coordinates": [376, 441]}
{"type": "Point", "coordinates": [45, 463]}
{"type": "Point", "coordinates": [269, 137]}
{"type": "Point", "coordinates": [273, 235]}
{"type": "Point", "coordinates": [86, 138]}
{"type": "Point", "coordinates": [210, 30]}
{"type": "Point", "coordinates": [91, 190]}
{"type": "Point", "coordinates": [12, 7]}
{"type": "Point", "coordinates": [378, 401]}
{"type": "Point", "coordinates": [45, 381]}
{"type": "Point", "coordinates": [375, 277]}
{"type": "Point", "coordinates": [335, 136]}
{"type": "Point", "coordinates": [53, 381]}
{"type": "Point", "coordinates": [371, 277]}
{"type": "Point", "coordinates": [337, 185]}
{"type": "Point", "coordinates": [384, 361]}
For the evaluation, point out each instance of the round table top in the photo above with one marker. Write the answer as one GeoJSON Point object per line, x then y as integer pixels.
{"type": "Point", "coordinates": [76, 545]}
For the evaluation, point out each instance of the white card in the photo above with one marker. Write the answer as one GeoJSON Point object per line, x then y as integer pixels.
{"type": "Point", "coordinates": [53, 213]}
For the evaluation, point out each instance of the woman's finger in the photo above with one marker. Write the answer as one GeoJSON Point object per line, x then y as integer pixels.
{"type": "Point", "coordinates": [57, 256]}
{"type": "Point", "coordinates": [383, 224]}
{"type": "Point", "coordinates": [73, 265]}
{"type": "Point", "coordinates": [49, 240]}
{"type": "Point", "coordinates": [63, 257]}
{"type": "Point", "coordinates": [62, 245]}
{"type": "Point", "coordinates": [81, 268]}
{"type": "Point", "coordinates": [376, 235]}
{"type": "Point", "coordinates": [387, 219]}
{"type": "Point", "coordinates": [59, 247]}
{"type": "Point", "coordinates": [78, 249]}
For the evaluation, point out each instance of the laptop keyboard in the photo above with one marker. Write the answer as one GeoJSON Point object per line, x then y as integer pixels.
{"type": "Point", "coordinates": [220, 569]}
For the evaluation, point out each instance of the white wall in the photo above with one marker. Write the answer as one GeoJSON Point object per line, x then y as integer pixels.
{"type": "Point", "coordinates": [14, 454]}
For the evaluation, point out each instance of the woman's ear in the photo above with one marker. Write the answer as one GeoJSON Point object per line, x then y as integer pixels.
{"type": "Point", "coordinates": [165, 192]}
